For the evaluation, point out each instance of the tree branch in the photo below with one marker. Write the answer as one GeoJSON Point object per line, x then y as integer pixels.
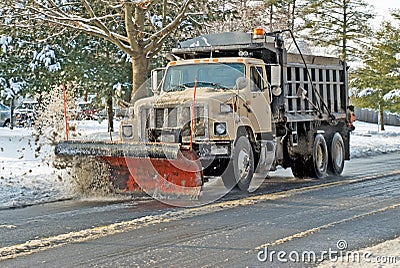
{"type": "Point", "coordinates": [130, 26]}
{"type": "Point", "coordinates": [157, 38]}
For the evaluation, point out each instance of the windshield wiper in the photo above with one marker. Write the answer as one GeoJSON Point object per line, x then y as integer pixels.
{"type": "Point", "coordinates": [184, 86]}
{"type": "Point", "coordinates": [214, 84]}
{"type": "Point", "coordinates": [179, 87]}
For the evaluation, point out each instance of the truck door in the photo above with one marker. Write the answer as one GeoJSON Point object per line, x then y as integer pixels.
{"type": "Point", "coordinates": [260, 99]}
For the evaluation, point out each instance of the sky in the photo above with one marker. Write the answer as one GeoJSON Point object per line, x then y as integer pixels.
{"type": "Point", "coordinates": [382, 9]}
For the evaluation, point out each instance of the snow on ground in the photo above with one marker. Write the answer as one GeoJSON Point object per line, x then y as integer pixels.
{"type": "Point", "coordinates": [27, 176]}
{"type": "Point", "coordinates": [368, 140]}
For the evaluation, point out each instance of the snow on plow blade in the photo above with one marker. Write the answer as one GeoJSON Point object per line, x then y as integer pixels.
{"type": "Point", "coordinates": [155, 168]}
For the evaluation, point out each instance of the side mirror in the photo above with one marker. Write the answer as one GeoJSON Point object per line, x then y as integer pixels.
{"type": "Point", "coordinates": [241, 83]}
{"type": "Point", "coordinates": [156, 79]}
{"type": "Point", "coordinates": [275, 80]}
{"type": "Point", "coordinates": [275, 76]}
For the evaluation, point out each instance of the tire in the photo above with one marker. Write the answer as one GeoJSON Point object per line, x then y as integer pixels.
{"type": "Point", "coordinates": [320, 157]}
{"type": "Point", "coordinates": [240, 169]}
{"type": "Point", "coordinates": [336, 155]}
{"type": "Point", "coordinates": [300, 169]}
{"type": "Point", "coordinates": [228, 177]}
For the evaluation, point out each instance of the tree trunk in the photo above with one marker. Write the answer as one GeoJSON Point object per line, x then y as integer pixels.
{"type": "Point", "coordinates": [344, 32]}
{"type": "Point", "coordinates": [110, 111]}
{"type": "Point", "coordinates": [382, 121]}
{"type": "Point", "coordinates": [271, 14]}
{"type": "Point", "coordinates": [164, 13]}
{"type": "Point", "coordinates": [12, 112]}
{"type": "Point", "coordinates": [139, 76]}
{"type": "Point", "coordinates": [293, 14]}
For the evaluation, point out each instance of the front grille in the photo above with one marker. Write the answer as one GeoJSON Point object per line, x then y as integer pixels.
{"type": "Point", "coordinates": [174, 118]}
{"type": "Point", "coordinates": [159, 117]}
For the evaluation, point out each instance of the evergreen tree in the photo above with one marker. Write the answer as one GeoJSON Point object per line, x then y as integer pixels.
{"type": "Point", "coordinates": [339, 23]}
{"type": "Point", "coordinates": [395, 13]}
{"type": "Point", "coordinates": [133, 26]}
{"type": "Point", "coordinates": [14, 63]}
{"type": "Point", "coordinates": [377, 83]}
{"type": "Point", "coordinates": [32, 63]}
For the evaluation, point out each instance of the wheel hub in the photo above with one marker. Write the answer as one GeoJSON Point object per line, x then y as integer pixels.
{"type": "Point", "coordinates": [243, 164]}
{"type": "Point", "coordinates": [320, 158]}
{"type": "Point", "coordinates": [338, 155]}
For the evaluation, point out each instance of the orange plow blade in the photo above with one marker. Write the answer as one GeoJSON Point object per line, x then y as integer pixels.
{"type": "Point", "coordinates": [156, 169]}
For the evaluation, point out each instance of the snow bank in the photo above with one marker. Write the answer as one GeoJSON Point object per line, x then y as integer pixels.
{"type": "Point", "coordinates": [367, 140]}
{"type": "Point", "coordinates": [27, 176]}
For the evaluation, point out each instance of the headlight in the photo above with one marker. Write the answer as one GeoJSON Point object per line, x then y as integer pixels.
{"type": "Point", "coordinates": [225, 108]}
{"type": "Point", "coordinates": [220, 129]}
{"type": "Point", "coordinates": [127, 131]}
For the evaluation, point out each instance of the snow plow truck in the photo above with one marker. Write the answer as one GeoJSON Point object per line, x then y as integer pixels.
{"type": "Point", "coordinates": [229, 105]}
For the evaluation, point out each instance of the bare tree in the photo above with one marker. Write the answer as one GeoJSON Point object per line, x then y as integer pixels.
{"type": "Point", "coordinates": [134, 26]}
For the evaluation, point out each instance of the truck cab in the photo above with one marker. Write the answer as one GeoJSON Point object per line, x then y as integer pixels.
{"type": "Point", "coordinates": [208, 104]}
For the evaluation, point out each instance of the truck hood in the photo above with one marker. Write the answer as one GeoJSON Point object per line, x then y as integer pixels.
{"type": "Point", "coordinates": [203, 94]}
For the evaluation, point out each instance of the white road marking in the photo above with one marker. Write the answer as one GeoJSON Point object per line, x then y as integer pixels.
{"type": "Point", "coordinates": [5, 226]}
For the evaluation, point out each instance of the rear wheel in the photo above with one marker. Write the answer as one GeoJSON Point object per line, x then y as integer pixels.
{"type": "Point", "coordinates": [300, 169]}
{"type": "Point", "coordinates": [240, 169]}
{"type": "Point", "coordinates": [320, 156]}
{"type": "Point", "coordinates": [337, 154]}
{"type": "Point", "coordinates": [313, 164]}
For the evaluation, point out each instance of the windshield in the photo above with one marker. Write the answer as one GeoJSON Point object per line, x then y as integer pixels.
{"type": "Point", "coordinates": [27, 105]}
{"type": "Point", "coordinates": [3, 107]}
{"type": "Point", "coordinates": [214, 75]}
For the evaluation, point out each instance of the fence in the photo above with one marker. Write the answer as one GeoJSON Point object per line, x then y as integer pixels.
{"type": "Point", "coordinates": [371, 116]}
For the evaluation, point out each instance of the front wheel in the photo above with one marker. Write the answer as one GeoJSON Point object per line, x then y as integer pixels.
{"type": "Point", "coordinates": [241, 168]}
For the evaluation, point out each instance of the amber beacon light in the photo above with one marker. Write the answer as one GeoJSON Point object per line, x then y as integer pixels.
{"type": "Point", "coordinates": [258, 32]}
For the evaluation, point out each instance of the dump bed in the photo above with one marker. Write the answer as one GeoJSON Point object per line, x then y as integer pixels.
{"type": "Point", "coordinates": [323, 78]}
{"type": "Point", "coordinates": [325, 81]}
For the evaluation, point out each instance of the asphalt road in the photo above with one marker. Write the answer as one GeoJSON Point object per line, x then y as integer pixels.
{"type": "Point", "coordinates": [285, 223]}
